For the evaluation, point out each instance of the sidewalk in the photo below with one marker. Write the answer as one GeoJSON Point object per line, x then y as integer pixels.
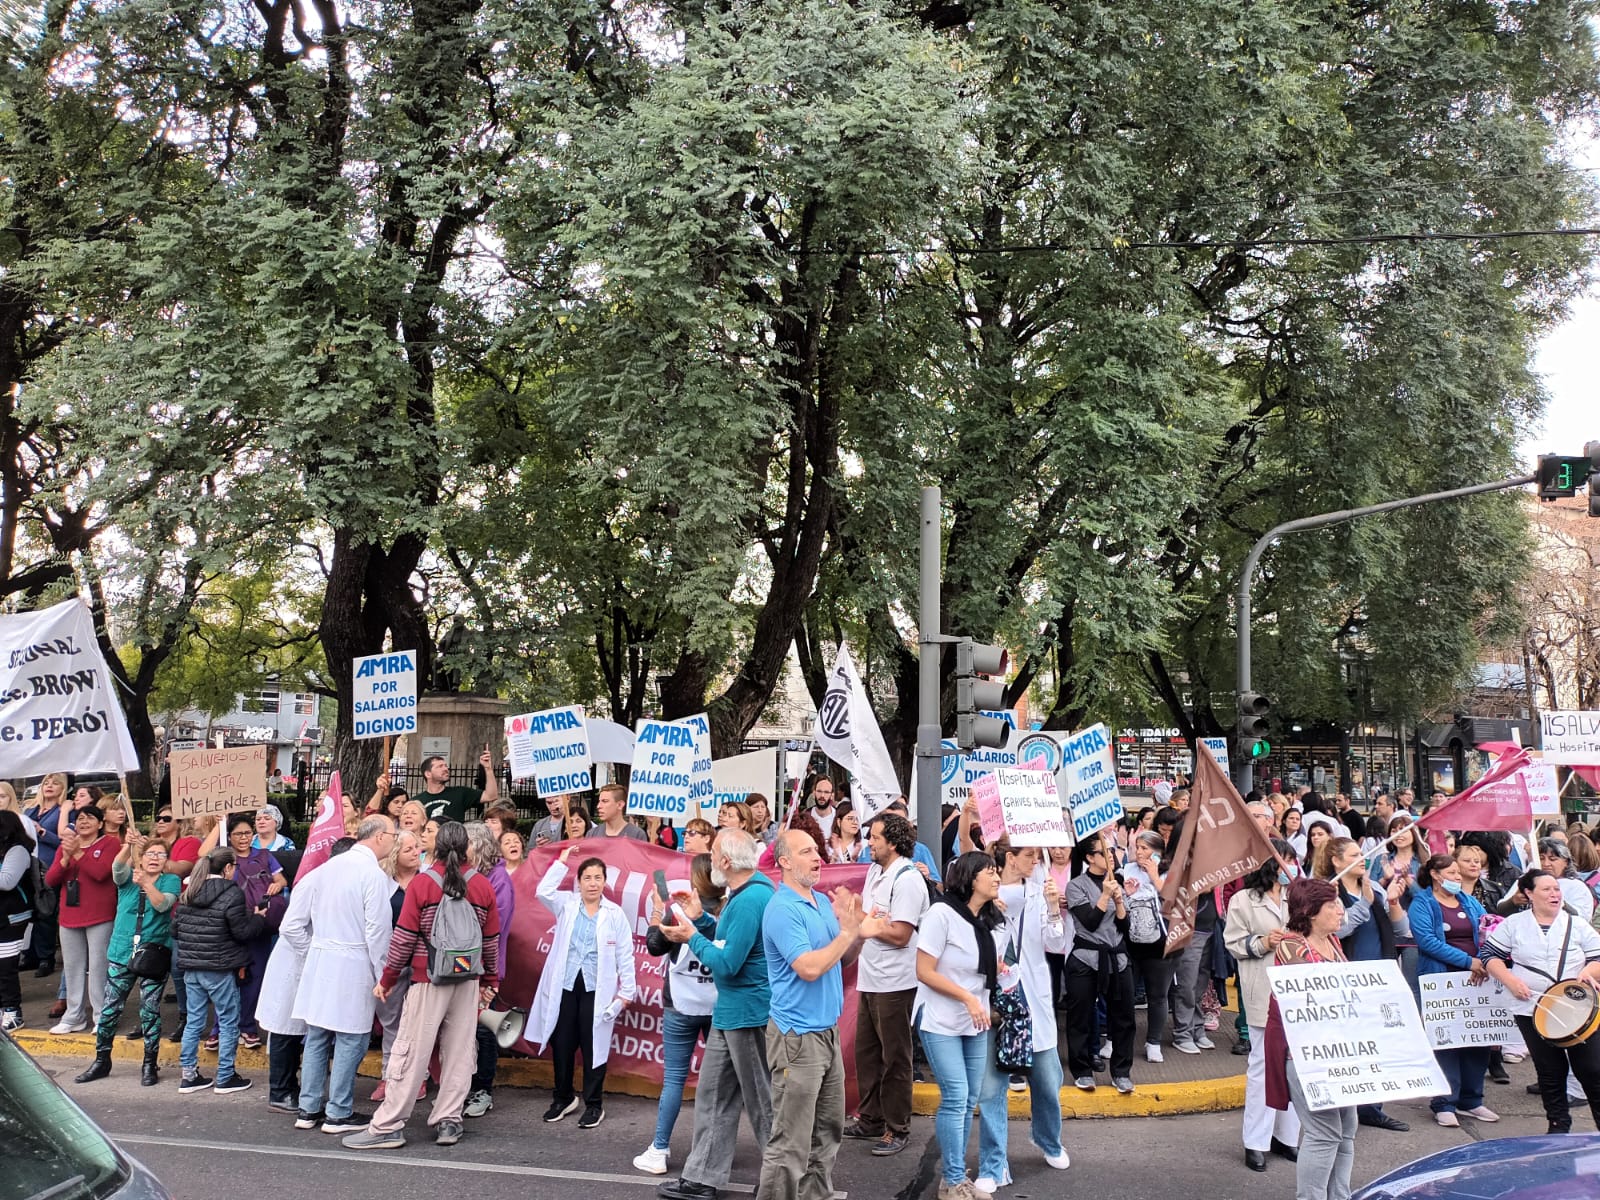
{"type": "Point", "coordinates": [1212, 1081]}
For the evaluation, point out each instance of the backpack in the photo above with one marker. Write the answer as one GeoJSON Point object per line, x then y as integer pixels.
{"type": "Point", "coordinates": [455, 951]}
{"type": "Point", "coordinates": [1144, 917]}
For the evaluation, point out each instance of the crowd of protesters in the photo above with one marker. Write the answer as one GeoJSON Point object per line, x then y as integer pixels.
{"type": "Point", "coordinates": [1010, 969]}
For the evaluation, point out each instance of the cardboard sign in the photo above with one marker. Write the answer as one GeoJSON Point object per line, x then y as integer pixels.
{"type": "Point", "coordinates": [1091, 774]}
{"type": "Point", "coordinates": [1544, 789]}
{"type": "Point", "coordinates": [1457, 1013]}
{"type": "Point", "coordinates": [1570, 738]}
{"type": "Point", "coordinates": [991, 816]}
{"type": "Point", "coordinates": [671, 768]}
{"type": "Point", "coordinates": [1031, 807]}
{"type": "Point", "coordinates": [383, 695]}
{"type": "Point", "coordinates": [551, 747]}
{"type": "Point", "coordinates": [233, 779]}
{"type": "Point", "coordinates": [1354, 1034]}
{"type": "Point", "coordinates": [737, 777]}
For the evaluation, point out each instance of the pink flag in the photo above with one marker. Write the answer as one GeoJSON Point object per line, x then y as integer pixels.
{"type": "Point", "coordinates": [1590, 775]}
{"type": "Point", "coordinates": [1499, 800]}
{"type": "Point", "coordinates": [327, 830]}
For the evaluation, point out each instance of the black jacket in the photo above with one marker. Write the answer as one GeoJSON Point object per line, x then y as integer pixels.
{"type": "Point", "coordinates": [212, 927]}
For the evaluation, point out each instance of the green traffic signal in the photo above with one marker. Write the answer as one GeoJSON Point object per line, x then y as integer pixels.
{"type": "Point", "coordinates": [1260, 748]}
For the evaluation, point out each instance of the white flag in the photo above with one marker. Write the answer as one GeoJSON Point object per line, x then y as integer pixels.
{"type": "Point", "coordinates": [848, 733]}
{"type": "Point", "coordinates": [58, 707]}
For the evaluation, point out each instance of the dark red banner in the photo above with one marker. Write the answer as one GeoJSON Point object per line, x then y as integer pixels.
{"type": "Point", "coordinates": [636, 1041]}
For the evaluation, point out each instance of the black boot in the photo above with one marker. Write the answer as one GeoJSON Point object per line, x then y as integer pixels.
{"type": "Point", "coordinates": [98, 1069]}
{"type": "Point", "coordinates": [150, 1075]}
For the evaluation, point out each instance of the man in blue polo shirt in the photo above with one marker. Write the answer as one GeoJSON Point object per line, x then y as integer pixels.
{"type": "Point", "coordinates": [806, 938]}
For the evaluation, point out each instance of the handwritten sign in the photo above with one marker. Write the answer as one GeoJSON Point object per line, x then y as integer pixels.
{"type": "Point", "coordinates": [383, 695]}
{"type": "Point", "coordinates": [1572, 738]}
{"type": "Point", "coordinates": [1457, 1013]}
{"type": "Point", "coordinates": [1031, 807]}
{"type": "Point", "coordinates": [1354, 1034]}
{"type": "Point", "coordinates": [991, 816]}
{"type": "Point", "coordinates": [1091, 781]}
{"type": "Point", "coordinates": [205, 781]}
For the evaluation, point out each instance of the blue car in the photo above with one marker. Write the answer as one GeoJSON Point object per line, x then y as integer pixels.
{"type": "Point", "coordinates": [1547, 1167]}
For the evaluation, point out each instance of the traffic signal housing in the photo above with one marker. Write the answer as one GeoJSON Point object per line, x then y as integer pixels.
{"type": "Point", "coordinates": [1561, 475]}
{"type": "Point", "coordinates": [1592, 449]}
{"type": "Point", "coordinates": [1254, 709]}
{"type": "Point", "coordinates": [974, 660]}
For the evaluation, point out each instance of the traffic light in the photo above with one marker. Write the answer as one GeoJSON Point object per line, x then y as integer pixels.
{"type": "Point", "coordinates": [1592, 449]}
{"type": "Point", "coordinates": [1560, 475]}
{"type": "Point", "coordinates": [973, 694]}
{"type": "Point", "coordinates": [1252, 731]}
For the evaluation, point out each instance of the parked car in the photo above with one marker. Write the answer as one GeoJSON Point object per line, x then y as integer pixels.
{"type": "Point", "coordinates": [52, 1147]}
{"type": "Point", "coordinates": [1545, 1167]}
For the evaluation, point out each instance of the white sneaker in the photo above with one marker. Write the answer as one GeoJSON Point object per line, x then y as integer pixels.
{"type": "Point", "coordinates": [1186, 1047]}
{"type": "Point", "coordinates": [1447, 1119]}
{"type": "Point", "coordinates": [1059, 1161]}
{"type": "Point", "coordinates": [652, 1161]}
{"type": "Point", "coordinates": [63, 1028]}
{"type": "Point", "coordinates": [1511, 1056]}
{"type": "Point", "coordinates": [1205, 1043]}
{"type": "Point", "coordinates": [1483, 1113]}
{"type": "Point", "coordinates": [986, 1186]}
{"type": "Point", "coordinates": [1152, 1053]}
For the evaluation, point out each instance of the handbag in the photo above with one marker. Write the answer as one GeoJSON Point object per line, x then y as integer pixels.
{"type": "Point", "coordinates": [1012, 1018]}
{"type": "Point", "coordinates": [148, 960]}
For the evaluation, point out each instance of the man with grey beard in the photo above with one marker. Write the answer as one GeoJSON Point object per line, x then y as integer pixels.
{"type": "Point", "coordinates": [733, 1069]}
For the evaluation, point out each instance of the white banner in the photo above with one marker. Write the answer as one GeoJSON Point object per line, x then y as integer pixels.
{"type": "Point", "coordinates": [1354, 1034]}
{"type": "Point", "coordinates": [58, 710]}
{"type": "Point", "coordinates": [383, 695]}
{"type": "Point", "coordinates": [1570, 738]}
{"type": "Point", "coordinates": [1219, 751]}
{"type": "Point", "coordinates": [1456, 1012]}
{"type": "Point", "coordinates": [848, 733]}
{"type": "Point", "coordinates": [609, 742]}
{"type": "Point", "coordinates": [735, 778]}
{"type": "Point", "coordinates": [1544, 788]}
{"type": "Point", "coordinates": [671, 772]}
{"type": "Point", "coordinates": [551, 747]}
{"type": "Point", "coordinates": [1091, 781]}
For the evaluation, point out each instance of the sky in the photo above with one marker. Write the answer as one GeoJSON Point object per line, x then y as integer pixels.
{"type": "Point", "coordinates": [1567, 360]}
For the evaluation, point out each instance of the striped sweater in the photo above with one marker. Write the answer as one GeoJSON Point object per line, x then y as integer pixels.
{"type": "Point", "coordinates": [409, 946]}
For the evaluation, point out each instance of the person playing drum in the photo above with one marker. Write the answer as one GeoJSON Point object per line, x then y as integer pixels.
{"type": "Point", "coordinates": [1530, 953]}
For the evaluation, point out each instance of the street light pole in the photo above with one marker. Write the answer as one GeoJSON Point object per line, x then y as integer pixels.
{"type": "Point", "coordinates": [930, 644]}
{"type": "Point", "coordinates": [1247, 576]}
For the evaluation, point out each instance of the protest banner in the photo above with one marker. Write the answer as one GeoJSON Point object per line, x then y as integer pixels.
{"type": "Point", "coordinates": [1220, 842]}
{"type": "Point", "coordinates": [383, 695]}
{"type": "Point", "coordinates": [205, 781]}
{"type": "Point", "coordinates": [609, 742]}
{"type": "Point", "coordinates": [1031, 807]}
{"type": "Point", "coordinates": [671, 768]}
{"type": "Point", "coordinates": [1354, 1033]}
{"type": "Point", "coordinates": [58, 711]}
{"type": "Point", "coordinates": [1456, 1012]}
{"type": "Point", "coordinates": [1219, 751]}
{"type": "Point", "coordinates": [551, 747]}
{"type": "Point", "coordinates": [1544, 788]}
{"type": "Point", "coordinates": [1091, 781]}
{"type": "Point", "coordinates": [737, 777]}
{"type": "Point", "coordinates": [636, 1048]}
{"type": "Point", "coordinates": [1570, 738]}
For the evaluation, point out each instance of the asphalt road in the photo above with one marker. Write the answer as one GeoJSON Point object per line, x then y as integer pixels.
{"type": "Point", "coordinates": [208, 1145]}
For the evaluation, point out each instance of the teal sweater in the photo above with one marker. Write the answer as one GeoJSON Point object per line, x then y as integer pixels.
{"type": "Point", "coordinates": [736, 958]}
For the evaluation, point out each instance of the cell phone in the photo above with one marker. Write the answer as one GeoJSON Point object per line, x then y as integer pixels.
{"type": "Point", "coordinates": [666, 897]}
{"type": "Point", "coordinates": [72, 893]}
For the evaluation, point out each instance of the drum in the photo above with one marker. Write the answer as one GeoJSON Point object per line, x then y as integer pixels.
{"type": "Point", "coordinates": [1568, 1013]}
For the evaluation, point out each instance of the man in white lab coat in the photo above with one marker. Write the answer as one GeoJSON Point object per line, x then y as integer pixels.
{"type": "Point", "coordinates": [344, 935]}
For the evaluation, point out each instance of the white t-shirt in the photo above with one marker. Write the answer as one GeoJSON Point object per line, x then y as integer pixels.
{"type": "Point", "coordinates": [825, 820]}
{"type": "Point", "coordinates": [900, 894]}
{"type": "Point", "coordinates": [952, 942]}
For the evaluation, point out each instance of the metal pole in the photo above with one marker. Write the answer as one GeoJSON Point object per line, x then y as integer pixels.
{"type": "Point", "coordinates": [1253, 559]}
{"type": "Point", "coordinates": [929, 645]}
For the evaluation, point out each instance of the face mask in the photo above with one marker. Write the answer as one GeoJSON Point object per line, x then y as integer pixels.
{"type": "Point", "coordinates": [1284, 878]}
{"type": "Point", "coordinates": [1450, 886]}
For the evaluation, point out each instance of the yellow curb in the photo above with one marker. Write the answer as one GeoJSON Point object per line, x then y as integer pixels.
{"type": "Point", "coordinates": [1148, 1100]}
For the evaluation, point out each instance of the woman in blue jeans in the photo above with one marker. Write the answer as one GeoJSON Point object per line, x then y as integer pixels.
{"type": "Point", "coordinates": [213, 931]}
{"type": "Point", "coordinates": [1035, 925]}
{"type": "Point", "coordinates": [687, 997]}
{"type": "Point", "coordinates": [1445, 921]}
{"type": "Point", "coordinates": [958, 967]}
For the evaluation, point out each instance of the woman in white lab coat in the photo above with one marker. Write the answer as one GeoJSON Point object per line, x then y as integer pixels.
{"type": "Point", "coordinates": [587, 981]}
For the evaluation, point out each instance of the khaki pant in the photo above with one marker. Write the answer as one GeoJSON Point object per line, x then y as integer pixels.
{"type": "Point", "coordinates": [807, 1115]}
{"type": "Point", "coordinates": [444, 1013]}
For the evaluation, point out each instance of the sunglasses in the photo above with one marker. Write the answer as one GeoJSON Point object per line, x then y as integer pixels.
{"type": "Point", "coordinates": [163, 820]}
